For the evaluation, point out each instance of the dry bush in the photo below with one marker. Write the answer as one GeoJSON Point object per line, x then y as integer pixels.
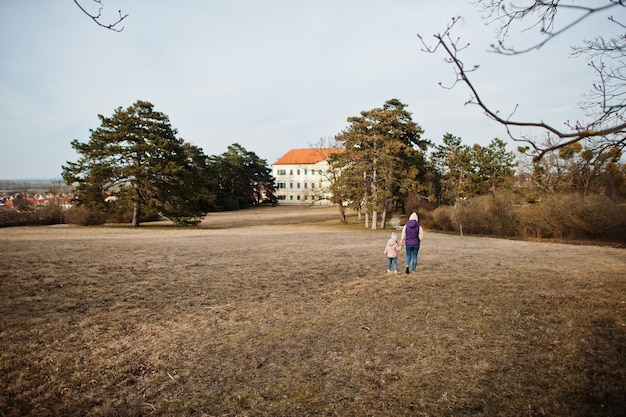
{"type": "Point", "coordinates": [549, 218]}
{"type": "Point", "coordinates": [51, 214]}
{"type": "Point", "coordinates": [83, 216]}
{"type": "Point", "coordinates": [602, 219]}
{"type": "Point", "coordinates": [473, 215]}
{"type": "Point", "coordinates": [426, 210]}
{"type": "Point", "coordinates": [412, 203]}
{"type": "Point", "coordinates": [491, 214]}
{"type": "Point", "coordinates": [119, 212]}
{"type": "Point", "coordinates": [570, 216]}
{"type": "Point", "coordinates": [418, 204]}
{"type": "Point", "coordinates": [505, 220]}
{"type": "Point", "coordinates": [558, 216]}
{"type": "Point", "coordinates": [119, 216]}
{"type": "Point", "coordinates": [46, 215]}
{"type": "Point", "coordinates": [442, 218]}
{"type": "Point", "coordinates": [10, 217]}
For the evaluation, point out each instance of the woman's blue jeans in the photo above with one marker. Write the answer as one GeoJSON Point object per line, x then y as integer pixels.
{"type": "Point", "coordinates": [411, 255]}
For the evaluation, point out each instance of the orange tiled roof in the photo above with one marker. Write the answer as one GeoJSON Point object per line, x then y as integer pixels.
{"type": "Point", "coordinates": [306, 156]}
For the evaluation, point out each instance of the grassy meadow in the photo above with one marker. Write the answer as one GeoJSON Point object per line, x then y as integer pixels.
{"type": "Point", "coordinates": [282, 311]}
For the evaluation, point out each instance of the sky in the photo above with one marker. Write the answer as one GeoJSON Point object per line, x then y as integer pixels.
{"type": "Point", "coordinates": [271, 76]}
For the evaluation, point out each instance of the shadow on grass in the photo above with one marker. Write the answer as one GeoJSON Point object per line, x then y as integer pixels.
{"type": "Point", "coordinates": [602, 368]}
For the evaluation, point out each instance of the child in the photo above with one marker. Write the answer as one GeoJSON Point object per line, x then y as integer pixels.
{"type": "Point", "coordinates": [391, 250]}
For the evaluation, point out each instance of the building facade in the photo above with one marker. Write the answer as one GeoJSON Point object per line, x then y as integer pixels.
{"type": "Point", "coordinates": [301, 176]}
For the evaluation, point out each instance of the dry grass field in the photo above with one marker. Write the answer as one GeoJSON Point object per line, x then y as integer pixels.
{"type": "Point", "coordinates": [284, 312]}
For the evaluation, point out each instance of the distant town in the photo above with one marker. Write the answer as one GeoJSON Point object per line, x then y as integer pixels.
{"type": "Point", "coordinates": [22, 194]}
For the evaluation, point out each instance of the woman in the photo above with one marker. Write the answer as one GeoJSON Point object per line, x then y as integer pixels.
{"type": "Point", "coordinates": [412, 235]}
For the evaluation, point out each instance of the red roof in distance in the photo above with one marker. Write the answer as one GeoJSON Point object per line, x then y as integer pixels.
{"type": "Point", "coordinates": [306, 156]}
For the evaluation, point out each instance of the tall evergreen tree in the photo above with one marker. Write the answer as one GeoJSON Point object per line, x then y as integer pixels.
{"type": "Point", "coordinates": [191, 193]}
{"type": "Point", "coordinates": [243, 179]}
{"type": "Point", "coordinates": [136, 155]}
{"type": "Point", "coordinates": [452, 160]}
{"type": "Point", "coordinates": [383, 159]}
{"type": "Point", "coordinates": [465, 171]}
{"type": "Point", "coordinates": [493, 166]}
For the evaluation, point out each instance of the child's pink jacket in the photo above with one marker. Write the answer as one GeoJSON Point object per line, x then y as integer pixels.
{"type": "Point", "coordinates": [392, 248]}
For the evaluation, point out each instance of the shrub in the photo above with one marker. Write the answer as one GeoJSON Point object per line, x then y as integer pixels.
{"type": "Point", "coordinates": [547, 218]}
{"type": "Point", "coordinates": [441, 218]}
{"type": "Point", "coordinates": [602, 219]}
{"type": "Point", "coordinates": [186, 221]}
{"type": "Point", "coordinates": [418, 204]}
{"type": "Point", "coordinates": [492, 214]}
{"type": "Point", "coordinates": [504, 218]}
{"type": "Point", "coordinates": [51, 214]}
{"type": "Point", "coordinates": [82, 216]}
{"type": "Point", "coordinates": [571, 216]}
{"type": "Point", "coordinates": [119, 216]}
{"type": "Point", "coordinates": [10, 217]}
{"type": "Point", "coordinates": [473, 217]}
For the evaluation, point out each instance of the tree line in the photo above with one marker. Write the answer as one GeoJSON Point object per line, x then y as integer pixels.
{"type": "Point", "coordinates": [134, 162]}
{"type": "Point", "coordinates": [386, 162]}
{"type": "Point", "coordinates": [387, 165]}
{"type": "Point", "coordinates": [134, 168]}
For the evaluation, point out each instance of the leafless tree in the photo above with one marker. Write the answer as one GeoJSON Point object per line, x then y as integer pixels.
{"type": "Point", "coordinates": [97, 16]}
{"type": "Point", "coordinates": [605, 105]}
{"type": "Point", "coordinates": [331, 174]}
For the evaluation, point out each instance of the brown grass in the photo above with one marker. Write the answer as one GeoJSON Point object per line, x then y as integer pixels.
{"type": "Point", "coordinates": [278, 311]}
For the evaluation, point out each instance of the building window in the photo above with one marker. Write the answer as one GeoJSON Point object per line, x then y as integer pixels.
{"type": "Point", "coordinates": [291, 197]}
{"type": "Point", "coordinates": [291, 172]}
{"type": "Point", "coordinates": [281, 197]}
{"type": "Point", "coordinates": [291, 185]}
{"type": "Point", "coordinates": [306, 185]}
{"type": "Point", "coordinates": [298, 173]}
{"type": "Point", "coordinates": [312, 185]}
{"type": "Point", "coordinates": [281, 185]}
{"type": "Point", "coordinates": [305, 171]}
{"type": "Point", "coordinates": [281, 172]}
{"type": "Point", "coordinates": [298, 185]}
{"type": "Point", "coordinates": [298, 197]}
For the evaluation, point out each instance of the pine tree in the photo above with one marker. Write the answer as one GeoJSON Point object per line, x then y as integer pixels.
{"type": "Point", "coordinates": [136, 156]}
{"type": "Point", "coordinates": [383, 159]}
{"type": "Point", "coordinates": [243, 179]}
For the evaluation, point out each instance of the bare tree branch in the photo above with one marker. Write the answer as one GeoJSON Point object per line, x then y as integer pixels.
{"type": "Point", "coordinates": [96, 17]}
{"type": "Point", "coordinates": [498, 11]}
{"type": "Point", "coordinates": [608, 124]}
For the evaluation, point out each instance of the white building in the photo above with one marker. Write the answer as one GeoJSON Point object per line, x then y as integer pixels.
{"type": "Point", "coordinates": [301, 176]}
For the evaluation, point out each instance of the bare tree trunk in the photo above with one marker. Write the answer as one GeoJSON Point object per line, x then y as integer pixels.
{"type": "Point", "coordinates": [342, 214]}
{"type": "Point", "coordinates": [375, 198]}
{"type": "Point", "coordinates": [136, 214]}
{"type": "Point", "coordinates": [383, 220]}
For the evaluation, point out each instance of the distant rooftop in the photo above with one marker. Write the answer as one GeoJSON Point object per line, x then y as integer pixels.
{"type": "Point", "coordinates": [306, 156]}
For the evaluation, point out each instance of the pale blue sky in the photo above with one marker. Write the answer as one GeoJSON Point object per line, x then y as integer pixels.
{"type": "Point", "coordinates": [271, 75]}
